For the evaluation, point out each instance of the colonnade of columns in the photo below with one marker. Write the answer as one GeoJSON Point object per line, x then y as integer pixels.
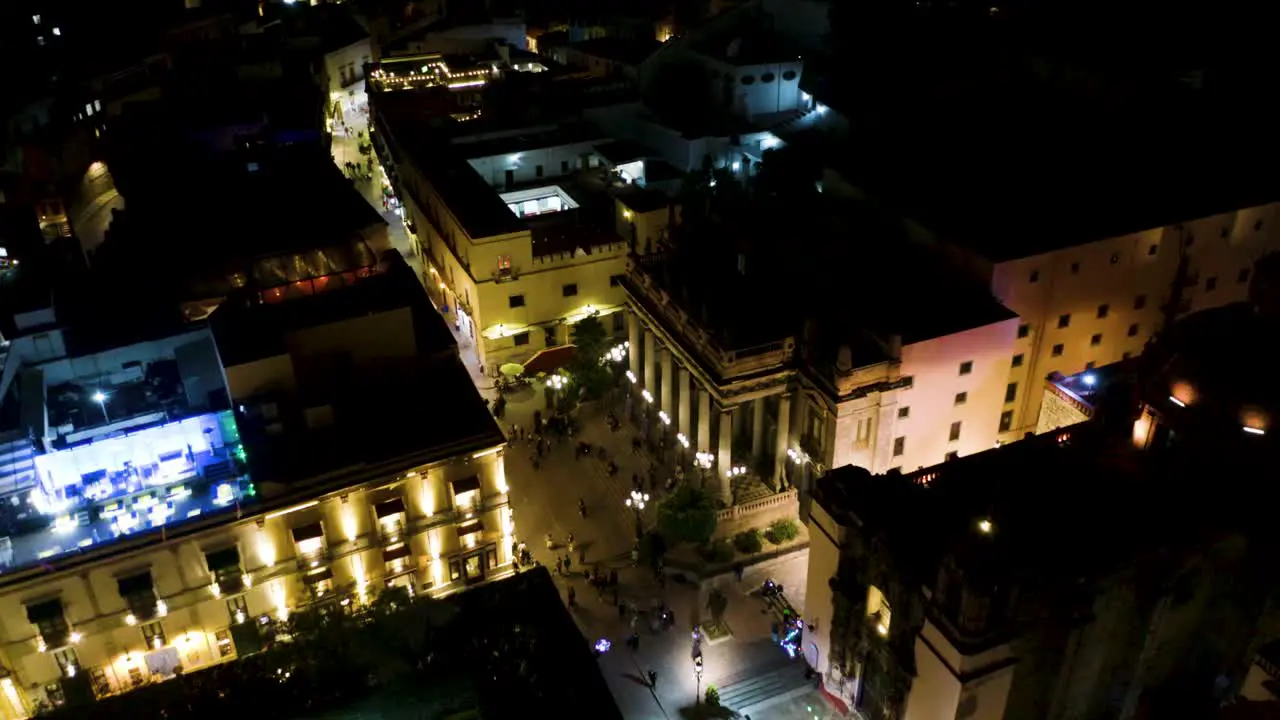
{"type": "Point", "coordinates": [671, 390]}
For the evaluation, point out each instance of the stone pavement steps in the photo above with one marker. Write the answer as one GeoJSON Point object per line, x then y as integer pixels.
{"type": "Point", "coordinates": [748, 489]}
{"type": "Point", "coordinates": [763, 689]}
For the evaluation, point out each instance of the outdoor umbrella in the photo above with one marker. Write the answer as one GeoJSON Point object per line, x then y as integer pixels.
{"type": "Point", "coordinates": [512, 369]}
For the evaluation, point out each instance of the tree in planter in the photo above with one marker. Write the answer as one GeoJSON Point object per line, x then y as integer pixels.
{"type": "Point", "coordinates": [717, 604]}
{"type": "Point", "coordinates": [784, 530]}
{"type": "Point", "coordinates": [588, 372]}
{"type": "Point", "coordinates": [748, 542]}
{"type": "Point", "coordinates": [687, 515]}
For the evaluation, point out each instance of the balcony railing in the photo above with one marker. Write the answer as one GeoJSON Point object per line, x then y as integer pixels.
{"type": "Point", "coordinates": [391, 532]}
{"type": "Point", "coordinates": [725, 362]}
{"type": "Point", "coordinates": [320, 558]}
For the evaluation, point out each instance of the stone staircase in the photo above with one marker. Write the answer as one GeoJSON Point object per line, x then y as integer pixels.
{"type": "Point", "coordinates": [748, 488]}
{"type": "Point", "coordinates": [753, 693]}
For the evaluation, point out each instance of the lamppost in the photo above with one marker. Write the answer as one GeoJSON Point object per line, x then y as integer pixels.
{"type": "Point", "coordinates": [703, 461]}
{"type": "Point", "coordinates": [101, 398]}
{"type": "Point", "coordinates": [637, 502]}
{"type": "Point", "coordinates": [554, 384]}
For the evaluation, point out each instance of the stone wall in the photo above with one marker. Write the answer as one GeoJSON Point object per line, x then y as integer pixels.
{"type": "Point", "coordinates": [757, 514]}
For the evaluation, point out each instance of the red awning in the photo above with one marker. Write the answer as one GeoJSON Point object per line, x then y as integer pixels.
{"type": "Point", "coordinates": [550, 360]}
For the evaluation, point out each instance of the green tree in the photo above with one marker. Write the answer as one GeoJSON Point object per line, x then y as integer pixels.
{"type": "Point", "coordinates": [717, 604]}
{"type": "Point", "coordinates": [587, 370]}
{"type": "Point", "coordinates": [687, 515]}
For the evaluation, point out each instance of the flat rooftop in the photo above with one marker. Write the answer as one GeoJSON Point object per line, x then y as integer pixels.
{"type": "Point", "coordinates": [1034, 493]}
{"type": "Point", "coordinates": [248, 331]}
{"type": "Point", "coordinates": [233, 213]}
{"type": "Point", "coordinates": [353, 415]}
{"type": "Point", "coordinates": [643, 200]}
{"type": "Point", "coordinates": [445, 150]}
{"type": "Point", "coordinates": [470, 199]}
{"type": "Point", "coordinates": [620, 152]}
{"type": "Point", "coordinates": [483, 139]}
{"type": "Point", "coordinates": [140, 439]}
{"type": "Point", "coordinates": [617, 49]}
{"type": "Point", "coordinates": [731, 289]}
{"type": "Point", "coordinates": [371, 423]}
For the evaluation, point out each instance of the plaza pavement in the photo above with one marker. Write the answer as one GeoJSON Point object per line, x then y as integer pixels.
{"type": "Point", "coordinates": [546, 500]}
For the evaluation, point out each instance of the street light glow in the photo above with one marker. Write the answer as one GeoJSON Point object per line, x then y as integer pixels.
{"type": "Point", "coordinates": [99, 397]}
{"type": "Point", "coordinates": [637, 500]}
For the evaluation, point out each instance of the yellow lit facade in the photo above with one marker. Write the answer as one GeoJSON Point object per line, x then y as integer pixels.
{"type": "Point", "coordinates": [513, 298]}
{"type": "Point", "coordinates": [136, 616]}
{"type": "Point", "coordinates": [1096, 303]}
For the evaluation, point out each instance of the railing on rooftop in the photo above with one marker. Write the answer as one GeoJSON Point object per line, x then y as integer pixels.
{"type": "Point", "coordinates": [727, 362]}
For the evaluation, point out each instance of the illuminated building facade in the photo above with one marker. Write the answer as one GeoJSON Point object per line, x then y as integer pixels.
{"type": "Point", "coordinates": [1097, 303]}
{"type": "Point", "coordinates": [763, 397]}
{"type": "Point", "coordinates": [137, 545]}
{"type": "Point", "coordinates": [1082, 572]}
{"type": "Point", "coordinates": [214, 588]}
{"type": "Point", "coordinates": [516, 222]}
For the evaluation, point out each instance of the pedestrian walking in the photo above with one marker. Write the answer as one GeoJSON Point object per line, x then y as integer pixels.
{"type": "Point", "coordinates": [573, 597]}
{"type": "Point", "coordinates": [653, 678]}
{"type": "Point", "coordinates": [738, 570]}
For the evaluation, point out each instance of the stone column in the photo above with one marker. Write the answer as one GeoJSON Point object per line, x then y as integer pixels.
{"type": "Point", "coordinates": [704, 422]}
{"type": "Point", "coordinates": [633, 337]}
{"type": "Point", "coordinates": [649, 379]}
{"type": "Point", "coordinates": [783, 440]}
{"type": "Point", "coordinates": [724, 457]}
{"type": "Point", "coordinates": [668, 382]}
{"type": "Point", "coordinates": [757, 428]}
{"type": "Point", "coordinates": [682, 403]}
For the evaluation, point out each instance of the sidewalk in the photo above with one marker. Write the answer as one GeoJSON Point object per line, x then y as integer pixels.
{"type": "Point", "coordinates": [347, 149]}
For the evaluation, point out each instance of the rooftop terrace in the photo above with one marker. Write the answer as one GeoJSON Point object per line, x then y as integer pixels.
{"type": "Point", "coordinates": [242, 236]}
{"type": "Point", "coordinates": [139, 438]}
{"type": "Point", "coordinates": [248, 330]}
